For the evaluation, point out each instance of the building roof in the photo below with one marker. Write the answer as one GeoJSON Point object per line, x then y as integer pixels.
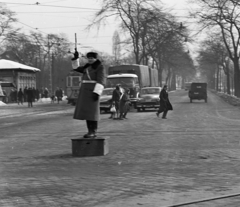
{"type": "Point", "coordinates": [8, 64]}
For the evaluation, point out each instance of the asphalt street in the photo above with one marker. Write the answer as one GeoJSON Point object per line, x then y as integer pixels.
{"type": "Point", "coordinates": [192, 155]}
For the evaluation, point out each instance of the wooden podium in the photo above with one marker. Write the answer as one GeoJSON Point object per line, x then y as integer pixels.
{"type": "Point", "coordinates": [84, 147]}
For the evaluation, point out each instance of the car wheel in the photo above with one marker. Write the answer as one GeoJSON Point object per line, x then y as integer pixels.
{"type": "Point", "coordinates": [143, 109]}
{"type": "Point", "coordinates": [138, 110]}
{"type": "Point", "coordinates": [205, 100]}
{"type": "Point", "coordinates": [190, 100]}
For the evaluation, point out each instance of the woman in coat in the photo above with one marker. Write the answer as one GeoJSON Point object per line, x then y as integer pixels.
{"type": "Point", "coordinates": [87, 106]}
{"type": "Point", "coordinates": [116, 96]}
{"type": "Point", "coordinates": [124, 104]}
{"type": "Point", "coordinates": [165, 104]}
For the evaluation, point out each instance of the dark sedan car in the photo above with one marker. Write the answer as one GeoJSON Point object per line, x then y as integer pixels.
{"type": "Point", "coordinates": [106, 99]}
{"type": "Point", "coordinates": [198, 91]}
{"type": "Point", "coordinates": [149, 98]}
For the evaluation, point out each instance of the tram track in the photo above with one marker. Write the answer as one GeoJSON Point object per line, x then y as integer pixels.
{"type": "Point", "coordinates": [206, 200]}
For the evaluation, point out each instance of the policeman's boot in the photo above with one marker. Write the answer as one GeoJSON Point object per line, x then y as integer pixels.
{"type": "Point", "coordinates": [92, 129]}
{"type": "Point", "coordinates": [89, 129]}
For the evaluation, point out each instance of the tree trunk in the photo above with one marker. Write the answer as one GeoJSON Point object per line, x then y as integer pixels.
{"type": "Point", "coordinates": [217, 80]}
{"type": "Point", "coordinates": [236, 77]}
{"type": "Point", "coordinates": [228, 78]}
{"type": "Point", "coordinates": [173, 81]}
{"type": "Point", "coordinates": [168, 76]}
{"type": "Point", "coordinates": [160, 70]}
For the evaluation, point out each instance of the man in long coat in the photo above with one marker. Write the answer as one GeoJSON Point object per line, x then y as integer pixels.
{"type": "Point", "coordinates": [87, 106]}
{"type": "Point", "coordinates": [165, 104]}
{"type": "Point", "coordinates": [59, 94]}
{"type": "Point", "coordinates": [30, 97]}
{"type": "Point", "coordinates": [20, 96]}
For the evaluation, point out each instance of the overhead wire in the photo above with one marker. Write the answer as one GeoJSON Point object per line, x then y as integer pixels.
{"type": "Point", "coordinates": [41, 5]}
{"type": "Point", "coordinates": [82, 8]}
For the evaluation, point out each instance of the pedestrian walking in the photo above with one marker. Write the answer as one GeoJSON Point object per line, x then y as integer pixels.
{"type": "Point", "coordinates": [59, 94]}
{"type": "Point", "coordinates": [53, 98]}
{"type": "Point", "coordinates": [165, 104]}
{"type": "Point", "coordinates": [34, 94]}
{"type": "Point", "coordinates": [116, 96]}
{"type": "Point", "coordinates": [124, 104]}
{"type": "Point", "coordinates": [20, 96]}
{"type": "Point", "coordinates": [46, 92]}
{"type": "Point", "coordinates": [30, 97]}
{"type": "Point", "coordinates": [37, 94]}
{"type": "Point", "coordinates": [87, 106]}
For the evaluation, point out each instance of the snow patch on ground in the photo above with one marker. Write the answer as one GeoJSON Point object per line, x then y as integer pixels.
{"type": "Point", "coordinates": [48, 100]}
{"type": "Point", "coordinates": [44, 100]}
{"type": "Point", "coordinates": [2, 104]}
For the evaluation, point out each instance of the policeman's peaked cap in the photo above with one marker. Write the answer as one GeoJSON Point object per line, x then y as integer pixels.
{"type": "Point", "coordinates": [92, 55]}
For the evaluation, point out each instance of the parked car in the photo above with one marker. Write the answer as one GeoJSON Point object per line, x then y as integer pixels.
{"type": "Point", "coordinates": [198, 91]}
{"type": "Point", "coordinates": [106, 99]}
{"type": "Point", "coordinates": [149, 98]}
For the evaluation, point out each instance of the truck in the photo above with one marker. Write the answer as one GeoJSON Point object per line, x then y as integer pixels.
{"type": "Point", "coordinates": [134, 77]}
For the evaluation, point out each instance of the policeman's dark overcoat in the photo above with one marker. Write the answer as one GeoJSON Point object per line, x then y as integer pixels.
{"type": "Point", "coordinates": [93, 76]}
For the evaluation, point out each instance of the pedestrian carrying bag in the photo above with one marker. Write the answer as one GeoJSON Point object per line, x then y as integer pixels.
{"type": "Point", "coordinates": [113, 109]}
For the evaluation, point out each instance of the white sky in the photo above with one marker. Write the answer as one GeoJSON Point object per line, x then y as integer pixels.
{"type": "Point", "coordinates": [74, 19]}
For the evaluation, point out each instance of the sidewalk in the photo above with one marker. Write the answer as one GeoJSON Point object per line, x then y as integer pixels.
{"type": "Point", "coordinates": [40, 101]}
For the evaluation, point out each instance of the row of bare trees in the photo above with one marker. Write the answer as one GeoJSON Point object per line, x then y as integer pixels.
{"type": "Point", "coordinates": [221, 17]}
{"type": "Point", "coordinates": [154, 36]}
{"type": "Point", "coordinates": [215, 64]}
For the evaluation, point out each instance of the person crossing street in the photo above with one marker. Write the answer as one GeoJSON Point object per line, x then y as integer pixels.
{"type": "Point", "coordinates": [165, 104]}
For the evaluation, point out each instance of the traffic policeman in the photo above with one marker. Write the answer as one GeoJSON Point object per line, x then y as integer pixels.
{"type": "Point", "coordinates": [87, 106]}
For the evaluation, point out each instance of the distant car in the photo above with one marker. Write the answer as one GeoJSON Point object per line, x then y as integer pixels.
{"type": "Point", "coordinates": [106, 99]}
{"type": "Point", "coordinates": [149, 98]}
{"type": "Point", "coordinates": [198, 91]}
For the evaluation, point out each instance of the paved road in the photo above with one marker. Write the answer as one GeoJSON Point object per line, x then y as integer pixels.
{"type": "Point", "coordinates": [192, 155]}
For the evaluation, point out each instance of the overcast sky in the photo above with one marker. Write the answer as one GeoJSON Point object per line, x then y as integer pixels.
{"type": "Point", "coordinates": [72, 16]}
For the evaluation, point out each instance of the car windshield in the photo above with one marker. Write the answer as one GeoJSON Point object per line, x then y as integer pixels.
{"type": "Point", "coordinates": [107, 92]}
{"type": "Point", "coordinates": [124, 82]}
{"type": "Point", "coordinates": [150, 91]}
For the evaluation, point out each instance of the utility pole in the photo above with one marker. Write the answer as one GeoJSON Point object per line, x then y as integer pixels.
{"type": "Point", "coordinates": [50, 68]}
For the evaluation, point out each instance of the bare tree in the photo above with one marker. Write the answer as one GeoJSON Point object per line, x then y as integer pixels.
{"type": "Point", "coordinates": [224, 15]}
{"type": "Point", "coordinates": [213, 57]}
{"type": "Point", "coordinates": [130, 12]}
{"type": "Point", "coordinates": [164, 41]}
{"type": "Point", "coordinates": [7, 19]}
